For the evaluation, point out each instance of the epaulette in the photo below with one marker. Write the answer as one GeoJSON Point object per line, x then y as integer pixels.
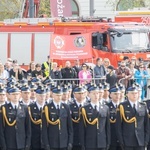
{"type": "Point", "coordinates": [50, 102]}
{"type": "Point", "coordinates": [142, 103]}
{"type": "Point", "coordinates": [123, 103]}
{"type": "Point", "coordinates": [32, 104]}
{"type": "Point", "coordinates": [86, 104]}
{"type": "Point", "coordinates": [22, 104]}
{"type": "Point", "coordinates": [71, 102]}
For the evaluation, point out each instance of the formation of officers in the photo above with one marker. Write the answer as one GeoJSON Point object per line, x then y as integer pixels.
{"type": "Point", "coordinates": [42, 116]}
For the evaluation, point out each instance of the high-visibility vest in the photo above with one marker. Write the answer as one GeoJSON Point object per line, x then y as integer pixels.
{"type": "Point", "coordinates": [47, 69]}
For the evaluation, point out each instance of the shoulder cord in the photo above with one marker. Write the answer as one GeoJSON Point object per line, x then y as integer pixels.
{"type": "Point", "coordinates": [133, 119]}
{"type": "Point", "coordinates": [86, 119]}
{"type": "Point", "coordinates": [48, 120]}
{"type": "Point", "coordinates": [35, 122]}
{"type": "Point", "coordinates": [6, 119]}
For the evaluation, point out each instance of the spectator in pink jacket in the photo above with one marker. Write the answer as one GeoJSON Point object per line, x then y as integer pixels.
{"type": "Point", "coordinates": [84, 75]}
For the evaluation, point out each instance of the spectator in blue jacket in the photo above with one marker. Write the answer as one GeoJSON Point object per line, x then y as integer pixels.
{"type": "Point", "coordinates": [141, 76]}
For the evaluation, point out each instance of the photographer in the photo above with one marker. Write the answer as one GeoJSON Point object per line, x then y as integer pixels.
{"type": "Point", "coordinates": [56, 72]}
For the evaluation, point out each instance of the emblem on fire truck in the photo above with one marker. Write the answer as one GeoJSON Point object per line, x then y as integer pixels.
{"type": "Point", "coordinates": [59, 42]}
{"type": "Point", "coordinates": [80, 41]}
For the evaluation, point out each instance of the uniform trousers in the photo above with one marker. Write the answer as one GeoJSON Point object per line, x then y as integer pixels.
{"type": "Point", "coordinates": [148, 147]}
{"type": "Point", "coordinates": [134, 148]}
{"type": "Point", "coordinates": [77, 148]}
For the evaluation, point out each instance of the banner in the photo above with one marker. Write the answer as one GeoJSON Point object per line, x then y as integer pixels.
{"type": "Point", "coordinates": [60, 8]}
{"type": "Point", "coordinates": [67, 47]}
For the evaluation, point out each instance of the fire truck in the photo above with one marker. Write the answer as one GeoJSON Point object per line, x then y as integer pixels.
{"type": "Point", "coordinates": [30, 39]}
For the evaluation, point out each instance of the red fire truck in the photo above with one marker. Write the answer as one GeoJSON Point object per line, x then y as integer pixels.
{"type": "Point", "coordinates": [31, 39]}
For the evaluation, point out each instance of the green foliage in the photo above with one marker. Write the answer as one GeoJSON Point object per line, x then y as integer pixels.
{"type": "Point", "coordinates": [9, 9]}
{"type": "Point", "coordinates": [44, 8]}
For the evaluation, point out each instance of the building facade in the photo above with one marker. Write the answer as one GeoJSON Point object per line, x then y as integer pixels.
{"type": "Point", "coordinates": [96, 8]}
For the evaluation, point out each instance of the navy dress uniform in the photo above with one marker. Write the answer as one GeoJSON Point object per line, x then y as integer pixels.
{"type": "Point", "coordinates": [57, 130]}
{"type": "Point", "coordinates": [95, 125]}
{"type": "Point", "coordinates": [35, 112]}
{"type": "Point", "coordinates": [113, 105]}
{"type": "Point", "coordinates": [75, 109]}
{"type": "Point", "coordinates": [148, 107]}
{"type": "Point", "coordinates": [2, 92]}
{"type": "Point", "coordinates": [15, 127]}
{"type": "Point", "coordinates": [132, 122]}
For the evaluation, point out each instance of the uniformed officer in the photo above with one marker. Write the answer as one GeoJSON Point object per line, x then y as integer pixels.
{"type": "Point", "coordinates": [106, 92]}
{"type": "Point", "coordinates": [95, 125]}
{"type": "Point", "coordinates": [48, 98]}
{"type": "Point", "coordinates": [132, 122]}
{"type": "Point", "coordinates": [35, 112]}
{"type": "Point", "coordinates": [69, 85]}
{"type": "Point", "coordinates": [148, 107]}
{"type": "Point", "coordinates": [57, 131]}
{"type": "Point", "coordinates": [15, 127]}
{"type": "Point", "coordinates": [2, 101]}
{"type": "Point", "coordinates": [122, 93]}
{"type": "Point", "coordinates": [101, 94]}
{"type": "Point", "coordinates": [8, 87]}
{"type": "Point", "coordinates": [65, 96]}
{"type": "Point", "coordinates": [113, 104]}
{"type": "Point", "coordinates": [75, 106]}
{"type": "Point", "coordinates": [33, 88]}
{"type": "Point", "coordinates": [25, 94]}
{"type": "Point", "coordinates": [2, 96]}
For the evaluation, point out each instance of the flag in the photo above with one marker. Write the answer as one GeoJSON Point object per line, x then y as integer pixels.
{"type": "Point", "coordinates": [60, 8]}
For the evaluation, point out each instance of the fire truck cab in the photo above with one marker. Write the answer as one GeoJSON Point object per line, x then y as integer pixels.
{"type": "Point", "coordinates": [30, 39]}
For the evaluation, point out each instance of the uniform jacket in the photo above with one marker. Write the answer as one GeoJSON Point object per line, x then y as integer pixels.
{"type": "Point", "coordinates": [130, 134]}
{"type": "Point", "coordinates": [148, 107]}
{"type": "Point", "coordinates": [19, 135]}
{"type": "Point", "coordinates": [51, 134]}
{"type": "Point", "coordinates": [36, 129]}
{"type": "Point", "coordinates": [76, 115]}
{"type": "Point", "coordinates": [113, 114]}
{"type": "Point", "coordinates": [93, 136]}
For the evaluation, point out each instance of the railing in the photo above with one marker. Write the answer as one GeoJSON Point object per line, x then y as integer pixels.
{"type": "Point", "coordinates": [77, 81]}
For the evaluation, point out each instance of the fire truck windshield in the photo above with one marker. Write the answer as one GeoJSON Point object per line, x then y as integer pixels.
{"type": "Point", "coordinates": [129, 42]}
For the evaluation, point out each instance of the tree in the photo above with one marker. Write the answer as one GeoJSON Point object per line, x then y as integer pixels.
{"type": "Point", "coordinates": [10, 9]}
{"type": "Point", "coordinates": [44, 8]}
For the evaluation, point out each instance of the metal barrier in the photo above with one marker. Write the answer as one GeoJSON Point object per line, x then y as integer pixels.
{"type": "Point", "coordinates": [77, 81]}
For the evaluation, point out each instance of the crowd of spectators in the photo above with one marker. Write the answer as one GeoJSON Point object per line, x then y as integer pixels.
{"type": "Point", "coordinates": [129, 71]}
